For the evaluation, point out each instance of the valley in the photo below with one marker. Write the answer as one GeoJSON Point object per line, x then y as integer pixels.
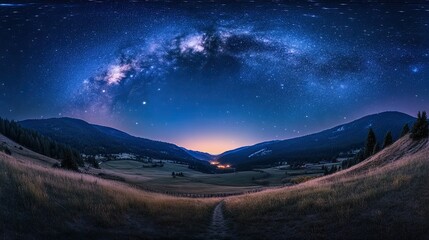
{"type": "Point", "coordinates": [386, 194]}
{"type": "Point", "coordinates": [130, 195]}
{"type": "Point", "coordinates": [214, 119]}
{"type": "Point", "coordinates": [159, 179]}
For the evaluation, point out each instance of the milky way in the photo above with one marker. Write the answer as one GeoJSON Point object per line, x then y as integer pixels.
{"type": "Point", "coordinates": [237, 73]}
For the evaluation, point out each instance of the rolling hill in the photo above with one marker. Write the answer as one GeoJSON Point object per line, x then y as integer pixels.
{"type": "Point", "coordinates": [383, 197]}
{"type": "Point", "coordinates": [200, 155]}
{"type": "Point", "coordinates": [94, 139]}
{"type": "Point", "coordinates": [319, 146]}
{"type": "Point", "coordinates": [38, 201]}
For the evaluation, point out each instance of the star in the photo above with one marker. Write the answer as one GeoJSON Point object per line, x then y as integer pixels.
{"type": "Point", "coordinates": [236, 70]}
{"type": "Point", "coordinates": [415, 69]}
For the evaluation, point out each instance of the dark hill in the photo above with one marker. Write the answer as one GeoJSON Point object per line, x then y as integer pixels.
{"type": "Point", "coordinates": [95, 139]}
{"type": "Point", "coordinates": [319, 146]}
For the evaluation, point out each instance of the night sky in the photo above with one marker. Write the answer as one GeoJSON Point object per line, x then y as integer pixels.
{"type": "Point", "coordinates": [213, 76]}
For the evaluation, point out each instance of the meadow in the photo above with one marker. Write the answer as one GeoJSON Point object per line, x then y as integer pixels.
{"type": "Point", "coordinates": [194, 182]}
{"type": "Point", "coordinates": [386, 195]}
{"type": "Point", "coordinates": [41, 202]}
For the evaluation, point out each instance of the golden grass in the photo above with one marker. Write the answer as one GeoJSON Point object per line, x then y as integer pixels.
{"type": "Point", "coordinates": [393, 188]}
{"type": "Point", "coordinates": [50, 201]}
{"type": "Point", "coordinates": [384, 197]}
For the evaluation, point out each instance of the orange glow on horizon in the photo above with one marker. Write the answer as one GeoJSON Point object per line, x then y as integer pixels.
{"type": "Point", "coordinates": [214, 145]}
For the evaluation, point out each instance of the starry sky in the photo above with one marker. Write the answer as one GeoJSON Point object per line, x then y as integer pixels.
{"type": "Point", "coordinates": [212, 76]}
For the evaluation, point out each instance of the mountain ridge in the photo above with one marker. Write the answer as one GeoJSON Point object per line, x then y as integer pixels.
{"type": "Point", "coordinates": [318, 146]}
{"type": "Point", "coordinates": [204, 156]}
{"type": "Point", "coordinates": [96, 139]}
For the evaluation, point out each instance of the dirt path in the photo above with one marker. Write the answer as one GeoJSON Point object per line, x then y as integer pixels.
{"type": "Point", "coordinates": [218, 228]}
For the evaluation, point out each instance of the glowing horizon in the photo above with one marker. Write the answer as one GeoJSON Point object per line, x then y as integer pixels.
{"type": "Point", "coordinates": [214, 145]}
{"type": "Point", "coordinates": [217, 82]}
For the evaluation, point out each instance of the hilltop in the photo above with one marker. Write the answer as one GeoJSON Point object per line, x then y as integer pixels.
{"type": "Point", "coordinates": [323, 145]}
{"type": "Point", "coordinates": [94, 139]}
{"type": "Point", "coordinates": [383, 197]}
{"type": "Point", "coordinates": [41, 202]}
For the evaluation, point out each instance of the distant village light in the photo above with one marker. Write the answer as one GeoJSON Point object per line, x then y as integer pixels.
{"type": "Point", "coordinates": [221, 166]}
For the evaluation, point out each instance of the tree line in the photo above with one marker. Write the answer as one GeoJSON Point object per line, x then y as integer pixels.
{"type": "Point", "coordinates": [419, 131]}
{"type": "Point", "coordinates": [70, 158]}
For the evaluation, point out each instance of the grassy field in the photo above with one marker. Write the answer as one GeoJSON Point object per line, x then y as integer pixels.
{"type": "Point", "coordinates": [160, 178]}
{"type": "Point", "coordinates": [43, 203]}
{"type": "Point", "coordinates": [385, 197]}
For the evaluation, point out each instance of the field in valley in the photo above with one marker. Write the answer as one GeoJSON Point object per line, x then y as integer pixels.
{"type": "Point", "coordinates": [386, 195]}
{"type": "Point", "coordinates": [194, 182]}
{"type": "Point", "coordinates": [383, 197]}
{"type": "Point", "coordinates": [41, 202]}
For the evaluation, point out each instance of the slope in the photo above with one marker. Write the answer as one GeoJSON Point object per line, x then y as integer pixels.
{"type": "Point", "coordinates": [41, 202]}
{"type": "Point", "coordinates": [320, 146]}
{"type": "Point", "coordinates": [95, 139]}
{"type": "Point", "coordinates": [200, 155]}
{"type": "Point", "coordinates": [384, 197]}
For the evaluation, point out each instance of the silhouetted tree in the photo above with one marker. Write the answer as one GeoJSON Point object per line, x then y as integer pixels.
{"type": "Point", "coordinates": [36, 142]}
{"type": "Point", "coordinates": [388, 139]}
{"type": "Point", "coordinates": [405, 130]}
{"type": "Point", "coordinates": [376, 149]}
{"type": "Point", "coordinates": [325, 170]}
{"type": "Point", "coordinates": [359, 157]}
{"type": "Point", "coordinates": [371, 141]}
{"type": "Point", "coordinates": [94, 163]}
{"type": "Point", "coordinates": [69, 161]}
{"type": "Point", "coordinates": [420, 128]}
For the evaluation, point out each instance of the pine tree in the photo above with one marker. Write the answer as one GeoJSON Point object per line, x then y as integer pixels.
{"type": "Point", "coordinates": [69, 162]}
{"type": "Point", "coordinates": [93, 162]}
{"type": "Point", "coordinates": [1, 125]}
{"type": "Point", "coordinates": [371, 141]}
{"type": "Point", "coordinates": [405, 130]}
{"type": "Point", "coordinates": [325, 171]}
{"type": "Point", "coordinates": [420, 128]}
{"type": "Point", "coordinates": [376, 149]}
{"type": "Point", "coordinates": [388, 139]}
{"type": "Point", "coordinates": [425, 125]}
{"type": "Point", "coordinates": [38, 143]}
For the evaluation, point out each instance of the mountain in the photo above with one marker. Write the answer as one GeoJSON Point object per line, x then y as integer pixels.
{"type": "Point", "coordinates": [43, 201]}
{"type": "Point", "coordinates": [383, 197]}
{"type": "Point", "coordinates": [391, 186]}
{"type": "Point", "coordinates": [200, 155]}
{"type": "Point", "coordinates": [319, 146]}
{"type": "Point", "coordinates": [262, 144]}
{"type": "Point", "coordinates": [94, 139]}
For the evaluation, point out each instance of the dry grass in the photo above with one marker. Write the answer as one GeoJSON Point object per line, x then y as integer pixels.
{"type": "Point", "coordinates": [384, 197]}
{"type": "Point", "coordinates": [41, 202]}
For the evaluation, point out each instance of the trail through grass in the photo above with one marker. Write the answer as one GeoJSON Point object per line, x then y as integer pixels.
{"type": "Point", "coordinates": [219, 228]}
